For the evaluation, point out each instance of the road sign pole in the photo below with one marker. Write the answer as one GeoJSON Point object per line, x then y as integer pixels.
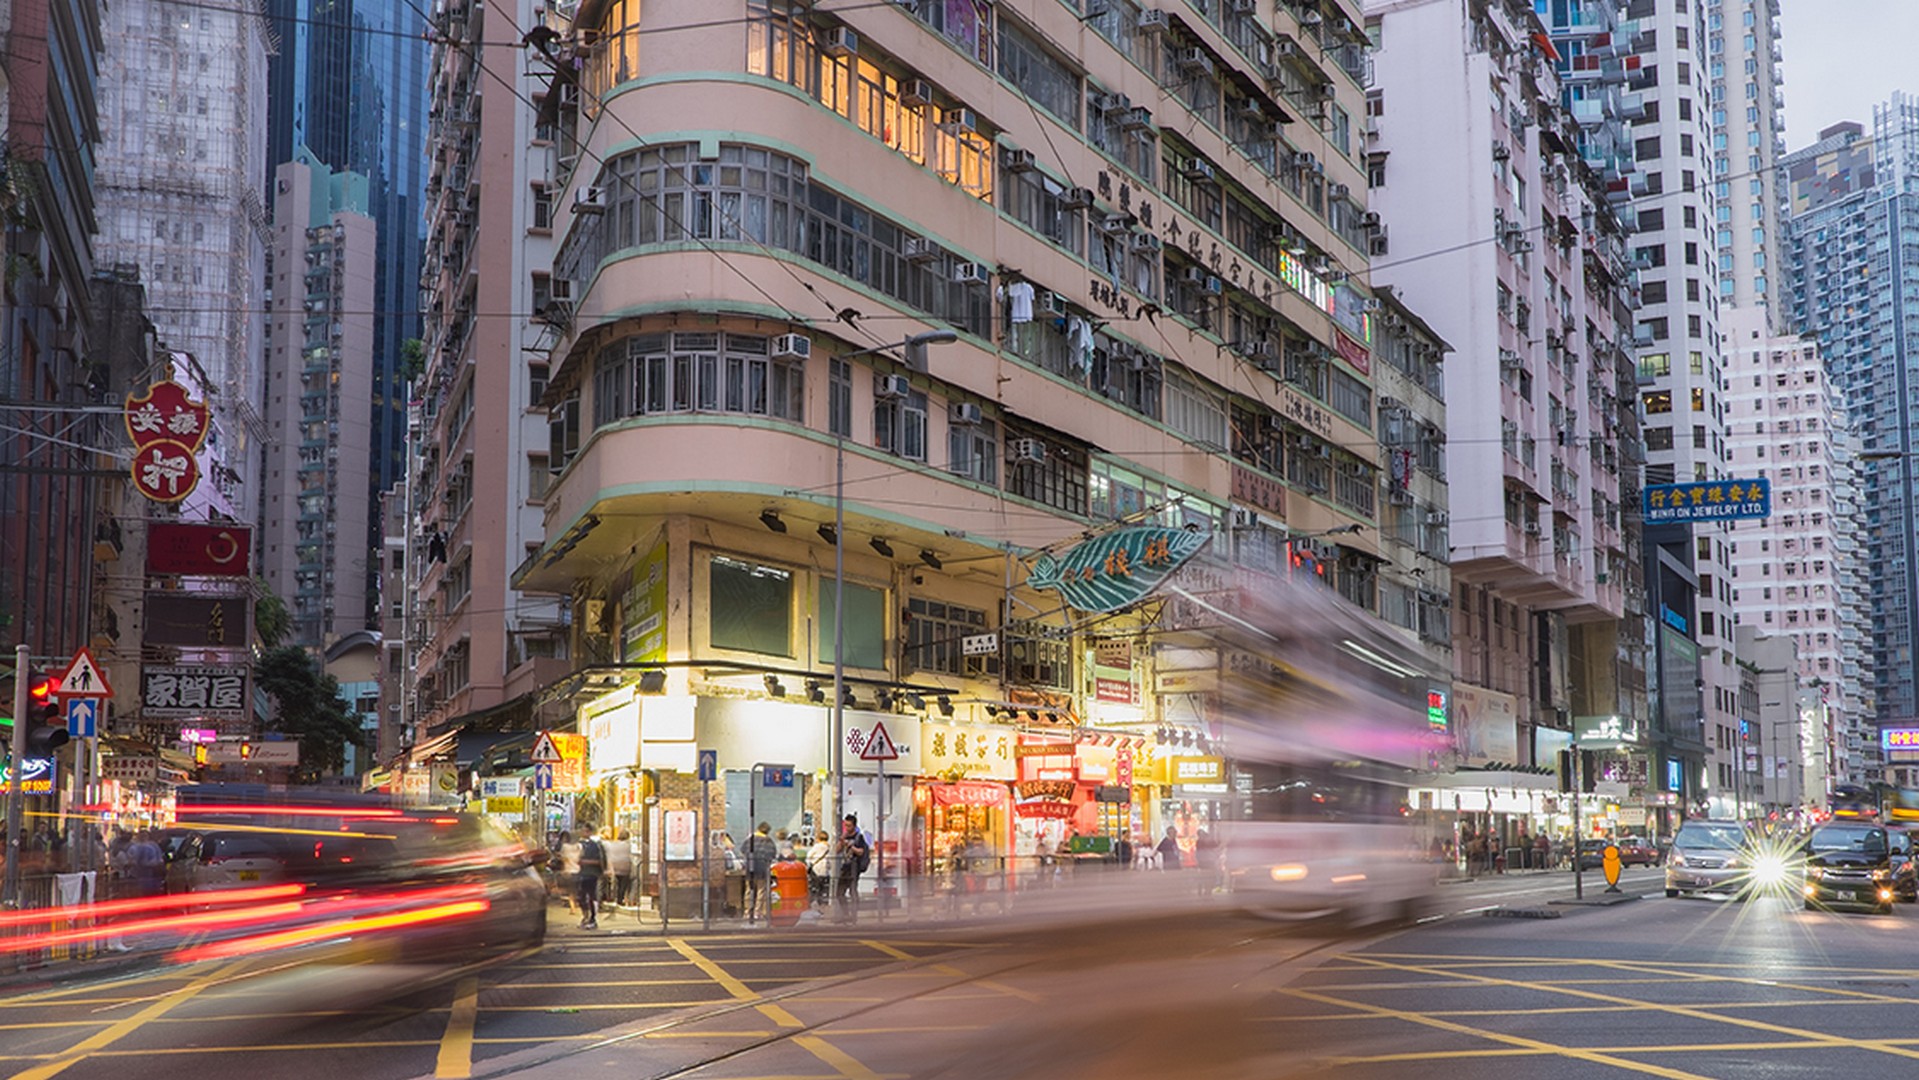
{"type": "Point", "coordinates": [706, 854]}
{"type": "Point", "coordinates": [78, 842]}
{"type": "Point", "coordinates": [1579, 878]}
{"type": "Point", "coordinates": [879, 844]}
{"type": "Point", "coordinates": [16, 796]}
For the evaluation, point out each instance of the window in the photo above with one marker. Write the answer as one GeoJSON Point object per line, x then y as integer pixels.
{"type": "Point", "coordinates": [839, 398]}
{"type": "Point", "coordinates": [933, 631]}
{"type": "Point", "coordinates": [751, 607]}
{"type": "Point", "coordinates": [1136, 150]}
{"type": "Point", "coordinates": [1045, 469]}
{"type": "Point", "coordinates": [648, 374]}
{"type": "Point", "coordinates": [864, 627]}
{"type": "Point", "coordinates": [899, 423]}
{"type": "Point", "coordinates": [1026, 64]}
{"type": "Point", "coordinates": [1195, 410]}
{"type": "Point", "coordinates": [1039, 202]}
{"type": "Point", "coordinates": [542, 207]}
{"type": "Point", "coordinates": [563, 430]}
{"type": "Point", "coordinates": [973, 451]}
{"type": "Point", "coordinates": [1351, 398]}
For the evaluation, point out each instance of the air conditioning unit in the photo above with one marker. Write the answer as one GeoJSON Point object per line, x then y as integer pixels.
{"type": "Point", "coordinates": [1371, 303]}
{"type": "Point", "coordinates": [1078, 198]}
{"type": "Point", "coordinates": [1197, 169]}
{"type": "Point", "coordinates": [1377, 244]}
{"type": "Point", "coordinates": [1152, 22]}
{"type": "Point", "coordinates": [1369, 220]}
{"type": "Point", "coordinates": [1338, 191]}
{"type": "Point", "coordinates": [961, 120]}
{"type": "Point", "coordinates": [1257, 350]}
{"type": "Point", "coordinates": [920, 249]}
{"type": "Point", "coordinates": [1310, 17]}
{"type": "Point", "coordinates": [1026, 450]}
{"type": "Point", "coordinates": [1145, 243]}
{"type": "Point", "coordinates": [841, 41]}
{"type": "Point", "coordinates": [1196, 60]}
{"type": "Point", "coordinates": [964, 412]}
{"type": "Point", "coordinates": [589, 200]}
{"type": "Point", "coordinates": [1116, 224]}
{"type": "Point", "coordinates": [1242, 7]}
{"type": "Point", "coordinates": [1053, 303]}
{"type": "Point", "coordinates": [892, 387]}
{"type": "Point", "coordinates": [1103, 102]}
{"type": "Point", "coordinates": [1213, 285]}
{"type": "Point", "coordinates": [1533, 529]}
{"type": "Point", "coordinates": [1018, 160]}
{"type": "Point", "coordinates": [1195, 275]}
{"type": "Point", "coordinates": [1286, 49]}
{"type": "Point", "coordinates": [1137, 118]}
{"type": "Point", "coordinates": [1244, 518]}
{"type": "Point", "coordinates": [969, 273]}
{"type": "Point", "coordinates": [1399, 496]}
{"type": "Point", "coordinates": [793, 346]}
{"type": "Point", "coordinates": [917, 93]}
{"type": "Point", "coordinates": [1438, 518]}
{"type": "Point", "coordinates": [1501, 152]}
{"type": "Point", "coordinates": [1386, 404]}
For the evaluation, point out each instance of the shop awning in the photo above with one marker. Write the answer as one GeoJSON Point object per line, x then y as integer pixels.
{"type": "Point", "coordinates": [1506, 779]}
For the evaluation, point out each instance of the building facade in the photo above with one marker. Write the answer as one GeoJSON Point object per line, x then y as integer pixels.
{"type": "Point", "coordinates": [1415, 583]}
{"type": "Point", "coordinates": [1476, 157]}
{"type": "Point", "coordinates": [182, 167]}
{"type": "Point", "coordinates": [1144, 234]}
{"type": "Point", "coordinates": [1802, 573]}
{"type": "Point", "coordinates": [1854, 270]}
{"type": "Point", "coordinates": [315, 502]}
{"type": "Point", "coordinates": [1745, 64]}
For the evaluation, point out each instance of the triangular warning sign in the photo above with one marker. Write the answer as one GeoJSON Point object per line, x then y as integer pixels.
{"type": "Point", "coordinates": [879, 746]}
{"type": "Point", "coordinates": [83, 679]}
{"type": "Point", "coordinates": [544, 751]}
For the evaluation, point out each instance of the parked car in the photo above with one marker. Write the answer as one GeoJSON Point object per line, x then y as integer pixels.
{"type": "Point", "coordinates": [1849, 864]}
{"type": "Point", "coordinates": [1709, 856]}
{"type": "Point", "coordinates": [1637, 851]}
{"type": "Point", "coordinates": [222, 859]}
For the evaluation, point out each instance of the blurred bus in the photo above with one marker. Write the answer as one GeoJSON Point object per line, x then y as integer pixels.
{"type": "Point", "coordinates": [1322, 719]}
{"type": "Point", "coordinates": [1850, 802]}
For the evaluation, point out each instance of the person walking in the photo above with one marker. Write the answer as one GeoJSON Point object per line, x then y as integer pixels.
{"type": "Point", "coordinates": [619, 866]}
{"type": "Point", "coordinates": [759, 855]}
{"type": "Point", "coordinates": [592, 865]}
{"type": "Point", "coordinates": [853, 854]}
{"type": "Point", "coordinates": [1169, 850]}
{"type": "Point", "coordinates": [566, 869]}
{"type": "Point", "coordinates": [819, 868]}
{"type": "Point", "coordinates": [149, 865]}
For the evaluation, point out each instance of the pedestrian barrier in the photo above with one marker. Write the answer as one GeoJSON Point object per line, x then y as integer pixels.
{"type": "Point", "coordinates": [55, 906]}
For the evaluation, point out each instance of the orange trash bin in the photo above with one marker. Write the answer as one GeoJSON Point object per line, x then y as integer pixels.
{"type": "Point", "coordinates": [790, 897]}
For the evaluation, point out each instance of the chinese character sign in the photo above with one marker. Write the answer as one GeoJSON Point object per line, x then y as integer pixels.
{"type": "Point", "coordinates": [218, 691]}
{"type": "Point", "coordinates": [1120, 568]}
{"type": "Point", "coordinates": [167, 427]}
{"type": "Point", "coordinates": [966, 750]}
{"type": "Point", "coordinates": [1716, 500]}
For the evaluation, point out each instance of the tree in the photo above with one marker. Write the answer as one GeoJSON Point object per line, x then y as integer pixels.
{"type": "Point", "coordinates": [412, 359]}
{"type": "Point", "coordinates": [308, 708]}
{"type": "Point", "coordinates": [271, 622]}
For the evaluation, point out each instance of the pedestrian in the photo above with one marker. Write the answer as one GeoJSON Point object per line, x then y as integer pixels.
{"type": "Point", "coordinates": [853, 854]}
{"type": "Point", "coordinates": [1169, 858]}
{"type": "Point", "coordinates": [566, 868]}
{"type": "Point", "coordinates": [1206, 859]}
{"type": "Point", "coordinates": [592, 865]}
{"type": "Point", "coordinates": [1123, 851]}
{"type": "Point", "coordinates": [619, 866]}
{"type": "Point", "coordinates": [819, 864]}
{"type": "Point", "coordinates": [759, 855]}
{"type": "Point", "coordinates": [149, 865]}
{"type": "Point", "coordinates": [1542, 852]}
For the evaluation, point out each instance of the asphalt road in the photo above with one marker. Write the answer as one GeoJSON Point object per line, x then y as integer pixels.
{"type": "Point", "coordinates": [1671, 988]}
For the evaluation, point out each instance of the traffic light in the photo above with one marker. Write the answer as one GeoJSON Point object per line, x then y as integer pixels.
{"type": "Point", "coordinates": [1588, 772]}
{"type": "Point", "coordinates": [47, 730]}
{"type": "Point", "coordinates": [1565, 772]}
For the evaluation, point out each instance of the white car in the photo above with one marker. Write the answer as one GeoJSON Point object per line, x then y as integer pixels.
{"type": "Point", "coordinates": [233, 860]}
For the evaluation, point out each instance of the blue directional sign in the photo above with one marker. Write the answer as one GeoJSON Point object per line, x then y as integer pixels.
{"type": "Point", "coordinates": [1715, 500]}
{"type": "Point", "coordinates": [776, 776]}
{"type": "Point", "coordinates": [543, 777]}
{"type": "Point", "coordinates": [709, 764]}
{"type": "Point", "coordinates": [83, 717]}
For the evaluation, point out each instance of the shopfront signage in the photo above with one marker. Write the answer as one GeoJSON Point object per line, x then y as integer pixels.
{"type": "Point", "coordinates": [199, 550]}
{"type": "Point", "coordinates": [1046, 749]}
{"type": "Point", "coordinates": [1259, 492]}
{"type": "Point", "coordinates": [218, 691]}
{"type": "Point", "coordinates": [506, 804]}
{"type": "Point", "coordinates": [570, 773]}
{"type": "Point", "coordinates": [1186, 682]}
{"type": "Point", "coordinates": [501, 787]}
{"type": "Point", "coordinates": [1054, 811]}
{"type": "Point", "coordinates": [682, 829]}
{"type": "Point", "coordinates": [1045, 789]}
{"type": "Point", "coordinates": [36, 778]}
{"type": "Point", "coordinates": [1905, 738]}
{"type": "Point", "coordinates": [968, 793]}
{"type": "Point", "coordinates": [1605, 732]}
{"type": "Point", "coordinates": [643, 630]}
{"type": "Point", "coordinates": [1353, 353]}
{"type": "Point", "coordinates": [612, 726]}
{"type": "Point", "coordinates": [979, 644]}
{"type": "Point", "coordinates": [167, 427]}
{"type": "Point", "coordinates": [968, 750]}
{"type": "Point", "coordinates": [189, 621]}
{"type": "Point", "coordinates": [1195, 770]}
{"type": "Point", "coordinates": [1120, 568]}
{"type": "Point", "coordinates": [1305, 412]}
{"type": "Point", "coordinates": [130, 768]}
{"type": "Point", "coordinates": [1113, 793]}
{"type": "Point", "coordinates": [1717, 500]}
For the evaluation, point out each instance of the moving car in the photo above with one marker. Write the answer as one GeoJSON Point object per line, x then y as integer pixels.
{"type": "Point", "coordinates": [1637, 851]}
{"type": "Point", "coordinates": [1905, 876]}
{"type": "Point", "coordinates": [1849, 864]}
{"type": "Point", "coordinates": [231, 860]}
{"type": "Point", "coordinates": [1709, 856]}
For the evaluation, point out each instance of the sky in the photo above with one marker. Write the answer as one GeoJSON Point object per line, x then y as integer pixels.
{"type": "Point", "coordinates": [1843, 57]}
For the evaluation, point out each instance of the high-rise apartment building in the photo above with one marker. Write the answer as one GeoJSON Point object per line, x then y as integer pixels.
{"type": "Point", "coordinates": [1854, 271]}
{"type": "Point", "coordinates": [481, 469]}
{"type": "Point", "coordinates": [350, 85]}
{"type": "Point", "coordinates": [1142, 235]}
{"type": "Point", "coordinates": [182, 166]}
{"type": "Point", "coordinates": [1527, 282]}
{"type": "Point", "coordinates": [1415, 580]}
{"type": "Point", "coordinates": [316, 503]}
{"type": "Point", "coordinates": [1744, 65]}
{"type": "Point", "coordinates": [1802, 572]}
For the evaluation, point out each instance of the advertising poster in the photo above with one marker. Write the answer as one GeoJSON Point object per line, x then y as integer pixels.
{"type": "Point", "coordinates": [643, 627]}
{"type": "Point", "coordinates": [1485, 725]}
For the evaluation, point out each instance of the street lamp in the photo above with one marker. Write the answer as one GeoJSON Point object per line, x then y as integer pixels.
{"type": "Point", "coordinates": [910, 344]}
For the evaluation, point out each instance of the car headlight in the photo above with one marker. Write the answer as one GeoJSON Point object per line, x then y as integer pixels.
{"type": "Point", "coordinates": [1767, 870]}
{"type": "Point", "coordinates": [1678, 858]}
{"type": "Point", "coordinates": [1815, 872]}
{"type": "Point", "coordinates": [1881, 875]}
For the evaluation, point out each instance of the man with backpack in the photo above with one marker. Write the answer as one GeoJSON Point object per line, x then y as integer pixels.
{"type": "Point", "coordinates": [855, 854]}
{"type": "Point", "coordinates": [592, 865]}
{"type": "Point", "coordinates": [760, 853]}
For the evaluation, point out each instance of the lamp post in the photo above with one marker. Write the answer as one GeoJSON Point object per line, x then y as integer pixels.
{"type": "Point", "coordinates": [916, 341]}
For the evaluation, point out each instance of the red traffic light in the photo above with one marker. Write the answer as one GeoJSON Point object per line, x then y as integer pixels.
{"type": "Point", "coordinates": [43, 687]}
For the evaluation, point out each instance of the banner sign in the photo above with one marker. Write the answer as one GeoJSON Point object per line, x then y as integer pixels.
{"type": "Point", "coordinates": [1718, 500]}
{"type": "Point", "coordinates": [167, 427]}
{"type": "Point", "coordinates": [216, 690]}
{"type": "Point", "coordinates": [203, 622]}
{"type": "Point", "coordinates": [1122, 567]}
{"type": "Point", "coordinates": [200, 550]}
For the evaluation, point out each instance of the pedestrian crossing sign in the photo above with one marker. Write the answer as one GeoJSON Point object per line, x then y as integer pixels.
{"type": "Point", "coordinates": [545, 752]}
{"type": "Point", "coordinates": [83, 679]}
{"type": "Point", "coordinates": [879, 746]}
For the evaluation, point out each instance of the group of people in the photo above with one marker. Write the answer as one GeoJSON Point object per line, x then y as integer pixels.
{"type": "Point", "coordinates": [1485, 852]}
{"type": "Point", "coordinates": [584, 868]}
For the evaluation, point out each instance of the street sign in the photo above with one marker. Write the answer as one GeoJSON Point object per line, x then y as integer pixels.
{"type": "Point", "coordinates": [546, 752]}
{"type": "Point", "coordinates": [709, 765]}
{"type": "Point", "coordinates": [543, 776]}
{"type": "Point", "coordinates": [979, 644]}
{"type": "Point", "coordinates": [879, 746]}
{"type": "Point", "coordinates": [1716, 500]}
{"type": "Point", "coordinates": [83, 716]}
{"type": "Point", "coordinates": [776, 776]}
{"type": "Point", "coordinates": [83, 679]}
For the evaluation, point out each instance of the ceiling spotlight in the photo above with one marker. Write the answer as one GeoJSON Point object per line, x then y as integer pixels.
{"type": "Point", "coordinates": [813, 692]}
{"type": "Point", "coordinates": [828, 534]}
{"type": "Point", "coordinates": [1033, 715]}
{"type": "Point", "coordinates": [847, 699]}
{"type": "Point", "coordinates": [930, 559]}
{"type": "Point", "coordinates": [946, 705]}
{"type": "Point", "coordinates": [773, 686]}
{"type": "Point", "coordinates": [771, 519]}
{"type": "Point", "coordinates": [652, 682]}
{"type": "Point", "coordinates": [915, 701]}
{"type": "Point", "coordinates": [881, 546]}
{"type": "Point", "coordinates": [884, 699]}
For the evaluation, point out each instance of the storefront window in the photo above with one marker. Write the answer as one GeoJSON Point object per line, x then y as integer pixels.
{"type": "Point", "coordinates": [751, 607]}
{"type": "Point", "coordinates": [865, 628]}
